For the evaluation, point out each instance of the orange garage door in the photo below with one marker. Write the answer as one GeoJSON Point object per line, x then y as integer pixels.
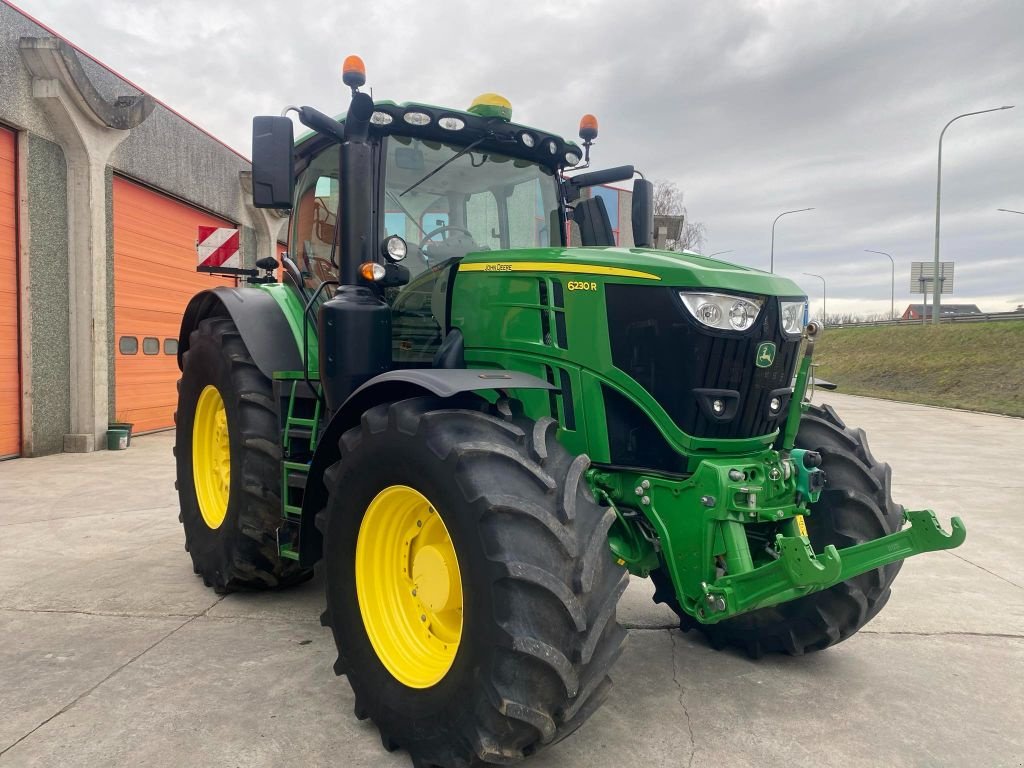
{"type": "Point", "coordinates": [10, 400]}
{"type": "Point", "coordinates": [154, 278]}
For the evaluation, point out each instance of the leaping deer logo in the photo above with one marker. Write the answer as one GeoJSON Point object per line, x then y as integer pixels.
{"type": "Point", "coordinates": [765, 354]}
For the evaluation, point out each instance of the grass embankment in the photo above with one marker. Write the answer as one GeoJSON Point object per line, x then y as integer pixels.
{"type": "Point", "coordinates": [976, 366]}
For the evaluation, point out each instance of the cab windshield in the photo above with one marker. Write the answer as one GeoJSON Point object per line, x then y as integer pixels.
{"type": "Point", "coordinates": [445, 205]}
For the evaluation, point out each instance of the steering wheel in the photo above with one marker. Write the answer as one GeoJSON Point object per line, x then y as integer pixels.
{"type": "Point", "coordinates": [441, 250]}
{"type": "Point", "coordinates": [446, 228]}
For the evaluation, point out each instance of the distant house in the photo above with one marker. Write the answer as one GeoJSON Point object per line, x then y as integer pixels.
{"type": "Point", "coordinates": [918, 311]}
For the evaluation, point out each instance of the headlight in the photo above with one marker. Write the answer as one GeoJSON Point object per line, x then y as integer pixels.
{"type": "Point", "coordinates": [792, 316]}
{"type": "Point", "coordinates": [722, 311]}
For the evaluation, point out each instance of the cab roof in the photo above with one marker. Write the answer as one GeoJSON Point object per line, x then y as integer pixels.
{"type": "Point", "coordinates": [430, 122]}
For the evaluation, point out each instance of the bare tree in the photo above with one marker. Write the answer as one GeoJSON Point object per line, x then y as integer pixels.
{"type": "Point", "coordinates": [668, 201]}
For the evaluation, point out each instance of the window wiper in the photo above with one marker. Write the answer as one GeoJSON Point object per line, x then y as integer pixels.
{"type": "Point", "coordinates": [450, 160]}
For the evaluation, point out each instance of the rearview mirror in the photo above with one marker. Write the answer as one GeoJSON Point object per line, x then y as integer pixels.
{"type": "Point", "coordinates": [273, 162]}
{"type": "Point", "coordinates": [643, 213]}
{"type": "Point", "coordinates": [408, 159]}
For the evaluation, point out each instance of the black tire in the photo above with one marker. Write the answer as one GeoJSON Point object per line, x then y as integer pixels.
{"type": "Point", "coordinates": [242, 552]}
{"type": "Point", "coordinates": [855, 506]}
{"type": "Point", "coordinates": [540, 585]}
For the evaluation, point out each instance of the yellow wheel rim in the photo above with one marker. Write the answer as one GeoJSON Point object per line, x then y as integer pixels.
{"type": "Point", "coordinates": [409, 587]}
{"type": "Point", "coordinates": [211, 457]}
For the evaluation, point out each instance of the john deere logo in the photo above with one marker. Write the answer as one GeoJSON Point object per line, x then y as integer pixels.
{"type": "Point", "coordinates": [765, 354]}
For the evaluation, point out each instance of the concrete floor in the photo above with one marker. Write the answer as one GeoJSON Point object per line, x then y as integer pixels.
{"type": "Point", "coordinates": [113, 653]}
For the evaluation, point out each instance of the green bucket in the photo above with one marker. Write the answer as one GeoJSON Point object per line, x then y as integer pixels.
{"type": "Point", "coordinates": [117, 439]}
{"type": "Point", "coordinates": [126, 426]}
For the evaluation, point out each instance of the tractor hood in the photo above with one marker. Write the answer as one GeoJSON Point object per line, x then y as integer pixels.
{"type": "Point", "coordinates": [635, 265]}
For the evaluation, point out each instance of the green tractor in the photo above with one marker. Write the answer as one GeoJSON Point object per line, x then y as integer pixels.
{"type": "Point", "coordinates": [483, 431]}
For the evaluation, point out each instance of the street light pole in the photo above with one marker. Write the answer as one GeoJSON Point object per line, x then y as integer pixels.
{"type": "Point", "coordinates": [936, 281]}
{"type": "Point", "coordinates": [892, 288]}
{"type": "Point", "coordinates": [784, 213]}
{"type": "Point", "coordinates": [716, 253]}
{"type": "Point", "coordinates": [824, 310]}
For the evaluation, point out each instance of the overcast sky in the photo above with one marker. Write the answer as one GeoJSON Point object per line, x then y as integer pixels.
{"type": "Point", "coordinates": [751, 108]}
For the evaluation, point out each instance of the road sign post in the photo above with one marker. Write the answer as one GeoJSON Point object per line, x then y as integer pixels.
{"type": "Point", "coordinates": [922, 280]}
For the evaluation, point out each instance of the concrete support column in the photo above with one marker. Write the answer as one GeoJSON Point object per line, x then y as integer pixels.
{"type": "Point", "coordinates": [87, 148]}
{"type": "Point", "coordinates": [88, 129]}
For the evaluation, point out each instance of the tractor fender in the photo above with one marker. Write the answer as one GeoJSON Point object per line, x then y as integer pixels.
{"type": "Point", "coordinates": [388, 388]}
{"type": "Point", "coordinates": [259, 320]}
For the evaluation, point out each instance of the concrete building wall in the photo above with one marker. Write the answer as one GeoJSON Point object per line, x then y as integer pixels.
{"type": "Point", "coordinates": [163, 151]}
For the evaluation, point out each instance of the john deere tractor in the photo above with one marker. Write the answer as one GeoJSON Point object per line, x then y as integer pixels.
{"type": "Point", "coordinates": [481, 430]}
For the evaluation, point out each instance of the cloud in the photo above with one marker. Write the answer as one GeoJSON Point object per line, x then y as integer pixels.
{"type": "Point", "coordinates": [752, 108]}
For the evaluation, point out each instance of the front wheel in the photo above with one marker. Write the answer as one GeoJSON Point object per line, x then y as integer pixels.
{"type": "Point", "coordinates": [470, 588]}
{"type": "Point", "coordinates": [228, 464]}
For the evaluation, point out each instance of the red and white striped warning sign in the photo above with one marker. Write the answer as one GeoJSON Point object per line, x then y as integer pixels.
{"type": "Point", "coordinates": [217, 247]}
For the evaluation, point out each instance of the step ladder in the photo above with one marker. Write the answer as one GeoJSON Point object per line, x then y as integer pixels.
{"type": "Point", "coordinates": [300, 414]}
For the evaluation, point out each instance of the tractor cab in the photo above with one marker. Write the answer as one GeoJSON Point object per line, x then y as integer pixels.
{"type": "Point", "coordinates": [447, 183]}
{"type": "Point", "coordinates": [427, 186]}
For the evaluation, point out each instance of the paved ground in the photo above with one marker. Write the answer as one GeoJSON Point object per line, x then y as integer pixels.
{"type": "Point", "coordinates": [113, 653]}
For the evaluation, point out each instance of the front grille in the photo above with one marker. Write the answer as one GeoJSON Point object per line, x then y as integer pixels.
{"type": "Point", "coordinates": [656, 341]}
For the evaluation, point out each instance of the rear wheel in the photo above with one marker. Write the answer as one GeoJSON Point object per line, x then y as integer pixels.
{"type": "Point", "coordinates": [470, 588]}
{"type": "Point", "coordinates": [228, 464]}
{"type": "Point", "coordinates": [855, 506]}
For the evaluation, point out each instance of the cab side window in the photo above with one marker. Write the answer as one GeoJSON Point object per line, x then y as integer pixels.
{"type": "Point", "coordinates": [315, 221]}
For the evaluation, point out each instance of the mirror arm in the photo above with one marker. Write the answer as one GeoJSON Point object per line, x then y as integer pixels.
{"type": "Point", "coordinates": [317, 121]}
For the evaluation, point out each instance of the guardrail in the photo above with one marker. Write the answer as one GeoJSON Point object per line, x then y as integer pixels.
{"type": "Point", "coordinates": [984, 317]}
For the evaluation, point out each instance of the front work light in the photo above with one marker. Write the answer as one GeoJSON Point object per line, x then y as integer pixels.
{"type": "Point", "coordinates": [722, 311]}
{"type": "Point", "coordinates": [451, 123]}
{"type": "Point", "coordinates": [394, 248]}
{"type": "Point", "coordinates": [416, 118]}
